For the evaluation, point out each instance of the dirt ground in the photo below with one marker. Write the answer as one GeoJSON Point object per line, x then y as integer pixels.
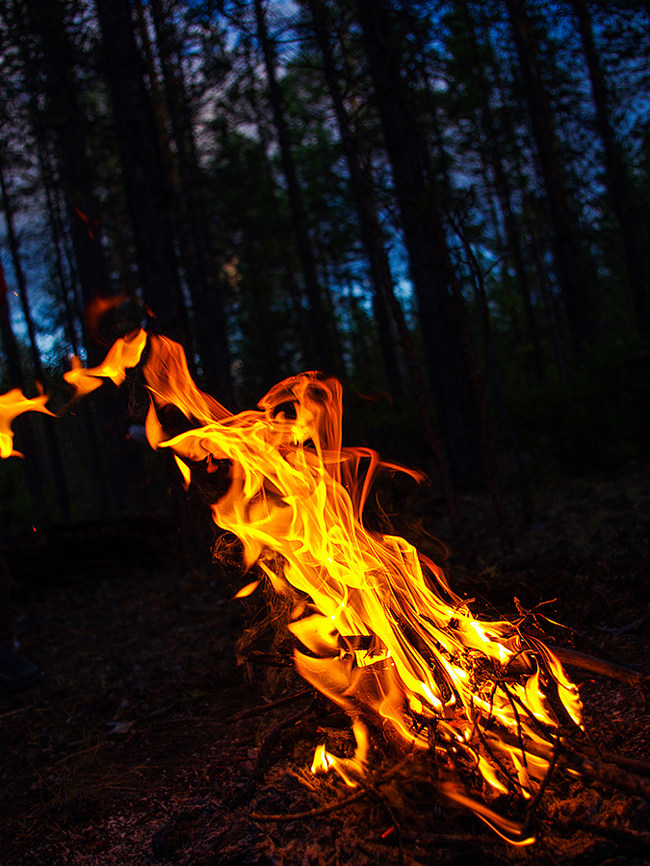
{"type": "Point", "coordinates": [146, 743]}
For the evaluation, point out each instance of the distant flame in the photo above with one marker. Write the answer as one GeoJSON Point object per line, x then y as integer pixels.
{"type": "Point", "coordinates": [376, 625]}
{"type": "Point", "coordinates": [13, 404]}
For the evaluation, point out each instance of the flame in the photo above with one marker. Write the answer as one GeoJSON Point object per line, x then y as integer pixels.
{"type": "Point", "coordinates": [377, 628]}
{"type": "Point", "coordinates": [125, 353]}
{"type": "Point", "coordinates": [13, 404]}
{"type": "Point", "coordinates": [376, 625]}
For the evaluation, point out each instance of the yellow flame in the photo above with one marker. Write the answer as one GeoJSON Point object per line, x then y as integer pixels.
{"type": "Point", "coordinates": [13, 404]}
{"type": "Point", "coordinates": [376, 625]}
{"type": "Point", "coordinates": [125, 353]}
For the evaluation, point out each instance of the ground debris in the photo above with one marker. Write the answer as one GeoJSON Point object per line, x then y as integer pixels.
{"type": "Point", "coordinates": [145, 743]}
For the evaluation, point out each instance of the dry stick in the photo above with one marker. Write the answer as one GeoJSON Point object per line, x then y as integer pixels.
{"type": "Point", "coordinates": [270, 742]}
{"type": "Point", "coordinates": [634, 765]}
{"type": "Point", "coordinates": [532, 809]}
{"type": "Point", "coordinates": [616, 834]}
{"type": "Point", "coordinates": [398, 827]}
{"type": "Point", "coordinates": [612, 669]}
{"type": "Point", "coordinates": [593, 768]}
{"type": "Point", "coordinates": [264, 708]}
{"type": "Point", "coordinates": [312, 813]}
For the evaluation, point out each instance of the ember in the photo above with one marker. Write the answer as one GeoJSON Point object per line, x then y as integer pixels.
{"type": "Point", "coordinates": [377, 628]}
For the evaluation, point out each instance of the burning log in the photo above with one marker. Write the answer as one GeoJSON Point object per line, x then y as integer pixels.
{"type": "Point", "coordinates": [607, 668]}
{"type": "Point", "coordinates": [376, 627]}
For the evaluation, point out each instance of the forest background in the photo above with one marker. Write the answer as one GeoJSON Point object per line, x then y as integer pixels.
{"type": "Point", "coordinates": [444, 204]}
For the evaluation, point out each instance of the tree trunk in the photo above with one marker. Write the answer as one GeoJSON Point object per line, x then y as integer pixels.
{"type": "Point", "coordinates": [503, 190]}
{"type": "Point", "coordinates": [142, 170]}
{"type": "Point", "coordinates": [66, 119]}
{"type": "Point", "coordinates": [33, 474]}
{"type": "Point", "coordinates": [323, 355]}
{"type": "Point", "coordinates": [616, 174]}
{"type": "Point", "coordinates": [199, 256]}
{"type": "Point", "coordinates": [364, 195]}
{"type": "Point", "coordinates": [570, 258]}
{"type": "Point", "coordinates": [52, 442]}
{"type": "Point", "coordinates": [431, 268]}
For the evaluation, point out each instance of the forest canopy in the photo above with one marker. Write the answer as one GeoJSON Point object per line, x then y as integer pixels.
{"type": "Point", "coordinates": [443, 204]}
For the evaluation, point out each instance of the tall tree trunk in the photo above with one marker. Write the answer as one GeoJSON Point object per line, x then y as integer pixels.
{"type": "Point", "coordinates": [570, 258]}
{"type": "Point", "coordinates": [64, 116]}
{"type": "Point", "coordinates": [52, 442]}
{"type": "Point", "coordinates": [64, 120]}
{"type": "Point", "coordinates": [142, 170]}
{"type": "Point", "coordinates": [323, 355]}
{"type": "Point", "coordinates": [504, 194]}
{"type": "Point", "coordinates": [617, 177]}
{"type": "Point", "coordinates": [33, 474]}
{"type": "Point", "coordinates": [364, 196]}
{"type": "Point", "coordinates": [67, 279]}
{"type": "Point", "coordinates": [202, 261]}
{"type": "Point", "coordinates": [303, 340]}
{"type": "Point", "coordinates": [431, 268]}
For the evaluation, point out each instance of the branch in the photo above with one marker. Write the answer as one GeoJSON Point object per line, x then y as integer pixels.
{"type": "Point", "coordinates": [612, 669]}
{"type": "Point", "coordinates": [312, 813]}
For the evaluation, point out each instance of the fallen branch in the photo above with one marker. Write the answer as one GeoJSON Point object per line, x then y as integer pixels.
{"type": "Point", "coordinates": [633, 838]}
{"type": "Point", "coordinates": [264, 708]}
{"type": "Point", "coordinates": [612, 669]}
{"type": "Point", "coordinates": [592, 768]}
{"type": "Point", "coordinates": [635, 765]}
{"type": "Point", "coordinates": [312, 813]}
{"type": "Point", "coordinates": [608, 774]}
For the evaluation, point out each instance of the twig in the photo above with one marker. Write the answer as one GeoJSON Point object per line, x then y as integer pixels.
{"type": "Point", "coordinates": [398, 827]}
{"type": "Point", "coordinates": [263, 758]}
{"type": "Point", "coordinates": [532, 809]}
{"type": "Point", "coordinates": [633, 764]}
{"type": "Point", "coordinates": [592, 768]}
{"type": "Point", "coordinates": [612, 669]}
{"type": "Point", "coordinates": [312, 813]}
{"type": "Point", "coordinates": [263, 708]}
{"type": "Point", "coordinates": [14, 712]}
{"type": "Point", "coordinates": [617, 834]}
{"type": "Point", "coordinates": [608, 774]}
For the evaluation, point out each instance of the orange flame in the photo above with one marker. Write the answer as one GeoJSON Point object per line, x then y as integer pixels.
{"type": "Point", "coordinates": [376, 626]}
{"type": "Point", "coordinates": [13, 404]}
{"type": "Point", "coordinates": [125, 353]}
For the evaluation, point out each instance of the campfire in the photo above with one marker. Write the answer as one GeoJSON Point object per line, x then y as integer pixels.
{"type": "Point", "coordinates": [376, 627]}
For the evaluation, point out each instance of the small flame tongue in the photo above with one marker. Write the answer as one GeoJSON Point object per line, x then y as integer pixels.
{"type": "Point", "coordinates": [13, 404]}
{"type": "Point", "coordinates": [376, 625]}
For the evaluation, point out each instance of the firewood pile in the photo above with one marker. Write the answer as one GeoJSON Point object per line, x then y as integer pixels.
{"type": "Point", "coordinates": [146, 741]}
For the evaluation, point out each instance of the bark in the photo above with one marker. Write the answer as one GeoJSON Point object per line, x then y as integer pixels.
{"type": "Point", "coordinates": [51, 440]}
{"type": "Point", "coordinates": [570, 258]}
{"type": "Point", "coordinates": [140, 160]}
{"type": "Point", "coordinates": [322, 351]}
{"type": "Point", "coordinates": [432, 272]}
{"type": "Point", "coordinates": [616, 175]}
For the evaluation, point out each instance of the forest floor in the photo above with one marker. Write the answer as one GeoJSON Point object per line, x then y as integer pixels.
{"type": "Point", "coordinates": [146, 743]}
